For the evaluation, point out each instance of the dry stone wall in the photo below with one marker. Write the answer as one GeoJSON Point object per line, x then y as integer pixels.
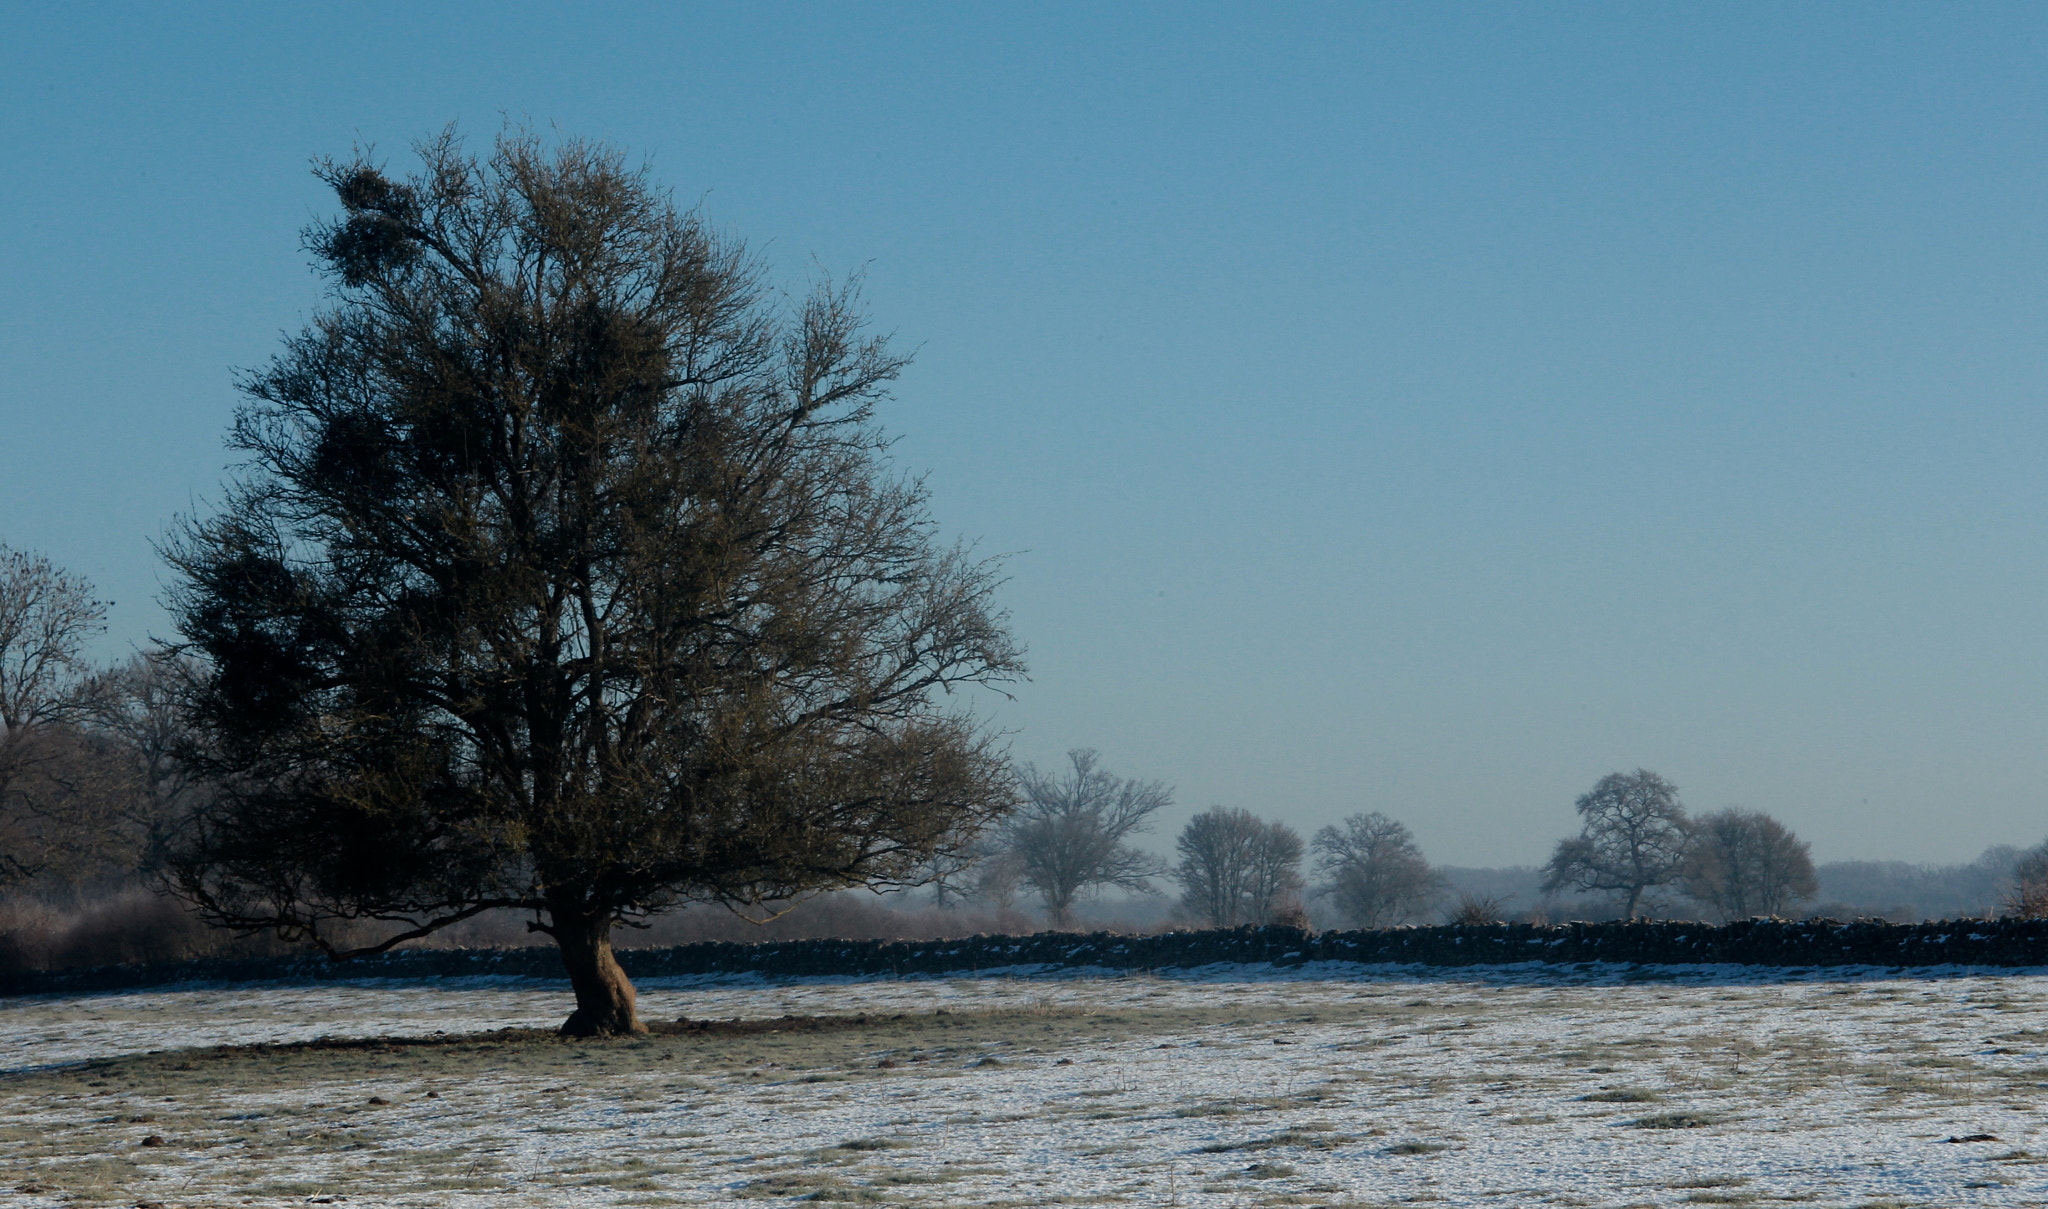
{"type": "Point", "coordinates": [1798, 944]}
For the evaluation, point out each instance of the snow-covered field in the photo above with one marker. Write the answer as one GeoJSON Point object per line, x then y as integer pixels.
{"type": "Point", "coordinates": [1317, 1085]}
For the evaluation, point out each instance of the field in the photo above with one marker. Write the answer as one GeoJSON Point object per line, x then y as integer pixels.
{"type": "Point", "coordinates": [1226, 1086]}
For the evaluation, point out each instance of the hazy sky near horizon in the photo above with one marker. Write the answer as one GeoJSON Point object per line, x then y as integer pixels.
{"type": "Point", "coordinates": [1424, 408]}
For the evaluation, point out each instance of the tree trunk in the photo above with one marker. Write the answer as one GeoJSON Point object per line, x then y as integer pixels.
{"type": "Point", "coordinates": [1635, 895]}
{"type": "Point", "coordinates": [604, 996]}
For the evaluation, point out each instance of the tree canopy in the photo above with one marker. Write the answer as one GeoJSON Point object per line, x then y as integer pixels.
{"type": "Point", "coordinates": [567, 574]}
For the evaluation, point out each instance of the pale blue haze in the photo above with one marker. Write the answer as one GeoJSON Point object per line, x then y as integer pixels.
{"type": "Point", "coordinates": [1424, 408]}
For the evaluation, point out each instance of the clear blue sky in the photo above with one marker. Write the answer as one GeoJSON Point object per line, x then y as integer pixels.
{"type": "Point", "coordinates": [1424, 408]}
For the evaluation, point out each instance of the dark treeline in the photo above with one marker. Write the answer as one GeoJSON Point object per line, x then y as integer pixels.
{"type": "Point", "coordinates": [1903, 892]}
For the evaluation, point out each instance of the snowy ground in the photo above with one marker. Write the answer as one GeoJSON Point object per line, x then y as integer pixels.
{"type": "Point", "coordinates": [1319, 1085]}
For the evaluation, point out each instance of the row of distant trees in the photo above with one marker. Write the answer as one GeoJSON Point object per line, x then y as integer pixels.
{"type": "Point", "coordinates": [1071, 835]}
{"type": "Point", "coordinates": [91, 790]}
{"type": "Point", "coordinates": [1637, 846]}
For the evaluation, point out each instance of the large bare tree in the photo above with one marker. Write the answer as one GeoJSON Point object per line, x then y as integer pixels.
{"type": "Point", "coordinates": [1374, 872]}
{"type": "Point", "coordinates": [1235, 867]}
{"type": "Point", "coordinates": [1635, 836]}
{"type": "Point", "coordinates": [567, 574]}
{"type": "Point", "coordinates": [1069, 833]}
{"type": "Point", "coordinates": [1744, 863]}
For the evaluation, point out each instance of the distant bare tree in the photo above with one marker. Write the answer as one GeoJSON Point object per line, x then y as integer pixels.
{"type": "Point", "coordinates": [1236, 868]}
{"type": "Point", "coordinates": [2026, 895]}
{"type": "Point", "coordinates": [139, 712]}
{"type": "Point", "coordinates": [1635, 837]}
{"type": "Point", "coordinates": [48, 794]}
{"type": "Point", "coordinates": [997, 877]}
{"type": "Point", "coordinates": [1070, 832]}
{"type": "Point", "coordinates": [973, 868]}
{"type": "Point", "coordinates": [1275, 887]}
{"type": "Point", "coordinates": [1374, 872]}
{"type": "Point", "coordinates": [947, 874]}
{"type": "Point", "coordinates": [1744, 863]}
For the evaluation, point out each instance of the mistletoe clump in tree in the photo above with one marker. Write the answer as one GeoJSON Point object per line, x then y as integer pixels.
{"type": "Point", "coordinates": [567, 575]}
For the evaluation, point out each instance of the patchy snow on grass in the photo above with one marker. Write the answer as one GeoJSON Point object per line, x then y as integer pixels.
{"type": "Point", "coordinates": [1226, 1086]}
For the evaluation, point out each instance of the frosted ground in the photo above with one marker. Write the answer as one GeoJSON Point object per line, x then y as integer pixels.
{"type": "Point", "coordinates": [1240, 1085]}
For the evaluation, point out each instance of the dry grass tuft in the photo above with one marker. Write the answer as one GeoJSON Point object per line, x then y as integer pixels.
{"type": "Point", "coordinates": [1409, 1148]}
{"type": "Point", "coordinates": [1674, 1120]}
{"type": "Point", "coordinates": [1621, 1095]}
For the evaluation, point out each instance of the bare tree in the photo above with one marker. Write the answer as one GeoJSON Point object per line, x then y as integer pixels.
{"type": "Point", "coordinates": [2026, 894]}
{"type": "Point", "coordinates": [140, 714]}
{"type": "Point", "coordinates": [1069, 834]}
{"type": "Point", "coordinates": [1744, 863]}
{"type": "Point", "coordinates": [1374, 872]}
{"type": "Point", "coordinates": [1273, 891]}
{"type": "Point", "coordinates": [1635, 837]}
{"type": "Point", "coordinates": [972, 868]}
{"type": "Point", "coordinates": [998, 876]}
{"type": "Point", "coordinates": [568, 575]}
{"type": "Point", "coordinates": [51, 793]}
{"type": "Point", "coordinates": [1236, 868]}
{"type": "Point", "coordinates": [1215, 849]}
{"type": "Point", "coordinates": [949, 875]}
